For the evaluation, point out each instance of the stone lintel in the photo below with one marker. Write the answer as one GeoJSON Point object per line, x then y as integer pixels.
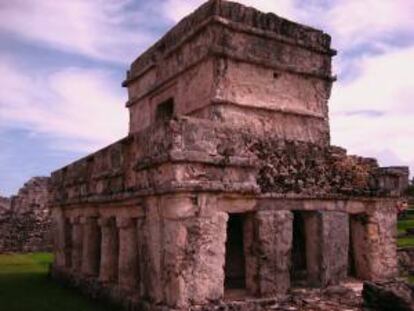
{"type": "Point", "coordinates": [106, 221]}
{"type": "Point", "coordinates": [125, 222]}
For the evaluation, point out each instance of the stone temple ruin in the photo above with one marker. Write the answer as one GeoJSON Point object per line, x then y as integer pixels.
{"type": "Point", "coordinates": [226, 186]}
{"type": "Point", "coordinates": [25, 220]}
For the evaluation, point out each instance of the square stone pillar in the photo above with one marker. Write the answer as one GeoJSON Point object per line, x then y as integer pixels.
{"type": "Point", "coordinates": [108, 271]}
{"type": "Point", "coordinates": [313, 231]}
{"type": "Point", "coordinates": [128, 278]}
{"type": "Point", "coordinates": [206, 240]}
{"type": "Point", "coordinates": [335, 243]}
{"type": "Point", "coordinates": [62, 239]}
{"type": "Point", "coordinates": [91, 246]}
{"type": "Point", "coordinates": [77, 239]}
{"type": "Point", "coordinates": [374, 241]}
{"type": "Point", "coordinates": [274, 244]}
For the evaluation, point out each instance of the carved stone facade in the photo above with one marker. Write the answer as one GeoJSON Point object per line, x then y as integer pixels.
{"type": "Point", "coordinates": [25, 223]}
{"type": "Point", "coordinates": [227, 185]}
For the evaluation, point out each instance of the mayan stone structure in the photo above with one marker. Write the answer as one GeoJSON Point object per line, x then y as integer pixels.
{"type": "Point", "coordinates": [227, 186]}
{"type": "Point", "coordinates": [25, 221]}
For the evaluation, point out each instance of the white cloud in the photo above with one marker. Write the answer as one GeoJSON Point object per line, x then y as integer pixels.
{"type": "Point", "coordinates": [79, 109]}
{"type": "Point", "coordinates": [374, 113]}
{"type": "Point", "coordinates": [101, 29]}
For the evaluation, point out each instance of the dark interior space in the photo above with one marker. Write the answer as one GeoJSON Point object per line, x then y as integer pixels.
{"type": "Point", "coordinates": [165, 110]}
{"type": "Point", "coordinates": [299, 269]}
{"type": "Point", "coordinates": [351, 255]}
{"type": "Point", "coordinates": [235, 262]}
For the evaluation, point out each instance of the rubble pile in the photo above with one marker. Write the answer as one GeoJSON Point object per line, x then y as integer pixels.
{"type": "Point", "coordinates": [309, 169]}
{"type": "Point", "coordinates": [393, 295]}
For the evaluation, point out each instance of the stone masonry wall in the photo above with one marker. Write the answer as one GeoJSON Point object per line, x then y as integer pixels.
{"type": "Point", "coordinates": [305, 168]}
{"type": "Point", "coordinates": [25, 226]}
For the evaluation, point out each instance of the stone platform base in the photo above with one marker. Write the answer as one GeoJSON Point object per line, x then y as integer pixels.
{"type": "Point", "coordinates": [346, 296]}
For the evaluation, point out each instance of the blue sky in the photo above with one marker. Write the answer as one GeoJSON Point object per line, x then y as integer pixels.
{"type": "Point", "coordinates": [62, 64]}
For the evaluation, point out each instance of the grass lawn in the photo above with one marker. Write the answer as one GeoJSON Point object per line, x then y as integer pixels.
{"type": "Point", "coordinates": [404, 224]}
{"type": "Point", "coordinates": [407, 222]}
{"type": "Point", "coordinates": [24, 286]}
{"type": "Point", "coordinates": [405, 241]}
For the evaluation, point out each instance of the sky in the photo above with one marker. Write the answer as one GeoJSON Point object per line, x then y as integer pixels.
{"type": "Point", "coordinates": [62, 64]}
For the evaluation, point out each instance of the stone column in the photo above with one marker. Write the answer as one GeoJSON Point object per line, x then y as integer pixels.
{"type": "Point", "coordinates": [374, 244]}
{"type": "Point", "coordinates": [62, 239]}
{"type": "Point", "coordinates": [128, 253]}
{"type": "Point", "coordinates": [108, 271]}
{"type": "Point", "coordinates": [274, 242]}
{"type": "Point", "coordinates": [91, 246]}
{"type": "Point", "coordinates": [335, 237]}
{"type": "Point", "coordinates": [77, 236]}
{"type": "Point", "coordinates": [67, 232]}
{"type": "Point", "coordinates": [313, 228]}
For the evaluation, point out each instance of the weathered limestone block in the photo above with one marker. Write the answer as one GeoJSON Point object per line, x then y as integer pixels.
{"type": "Point", "coordinates": [313, 228]}
{"type": "Point", "coordinates": [77, 239]}
{"type": "Point", "coordinates": [91, 246]}
{"type": "Point", "coordinates": [175, 243]}
{"type": "Point", "coordinates": [128, 277]}
{"type": "Point", "coordinates": [381, 234]}
{"type": "Point", "coordinates": [59, 241]}
{"type": "Point", "coordinates": [151, 232]}
{"type": "Point", "coordinates": [206, 251]}
{"type": "Point", "coordinates": [373, 242]}
{"type": "Point", "coordinates": [68, 243]}
{"type": "Point", "coordinates": [360, 246]}
{"type": "Point", "coordinates": [251, 254]}
{"type": "Point", "coordinates": [388, 295]}
{"type": "Point", "coordinates": [406, 260]}
{"type": "Point", "coordinates": [274, 243]}
{"type": "Point", "coordinates": [108, 271]}
{"type": "Point", "coordinates": [335, 241]}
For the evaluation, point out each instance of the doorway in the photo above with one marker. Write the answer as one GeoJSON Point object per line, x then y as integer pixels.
{"type": "Point", "coordinates": [299, 267]}
{"type": "Point", "coordinates": [234, 269]}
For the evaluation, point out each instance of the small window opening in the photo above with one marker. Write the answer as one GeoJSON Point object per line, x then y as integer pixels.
{"type": "Point", "coordinates": [165, 110]}
{"type": "Point", "coordinates": [234, 269]}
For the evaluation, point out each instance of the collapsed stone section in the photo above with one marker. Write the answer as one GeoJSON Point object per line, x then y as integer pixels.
{"type": "Point", "coordinates": [26, 225]}
{"type": "Point", "coordinates": [305, 168]}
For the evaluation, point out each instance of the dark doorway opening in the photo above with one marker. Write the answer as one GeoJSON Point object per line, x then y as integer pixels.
{"type": "Point", "coordinates": [165, 110]}
{"type": "Point", "coordinates": [351, 254]}
{"type": "Point", "coordinates": [235, 270]}
{"type": "Point", "coordinates": [299, 266]}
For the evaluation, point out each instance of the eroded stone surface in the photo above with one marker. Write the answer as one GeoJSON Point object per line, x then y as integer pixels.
{"type": "Point", "coordinates": [226, 192]}
{"type": "Point", "coordinates": [25, 222]}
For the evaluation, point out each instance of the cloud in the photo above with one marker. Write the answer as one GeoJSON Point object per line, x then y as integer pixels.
{"type": "Point", "coordinates": [80, 109]}
{"type": "Point", "coordinates": [110, 30]}
{"type": "Point", "coordinates": [374, 113]}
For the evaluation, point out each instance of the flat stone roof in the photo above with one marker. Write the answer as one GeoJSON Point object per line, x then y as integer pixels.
{"type": "Point", "coordinates": [245, 19]}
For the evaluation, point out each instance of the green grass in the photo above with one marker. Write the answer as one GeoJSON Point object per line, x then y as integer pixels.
{"type": "Point", "coordinates": [24, 286]}
{"type": "Point", "coordinates": [405, 241]}
{"type": "Point", "coordinates": [404, 224]}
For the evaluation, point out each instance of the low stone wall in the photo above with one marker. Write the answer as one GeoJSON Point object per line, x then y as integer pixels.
{"type": "Point", "coordinates": [26, 225]}
{"type": "Point", "coordinates": [307, 168]}
{"type": "Point", "coordinates": [406, 260]}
